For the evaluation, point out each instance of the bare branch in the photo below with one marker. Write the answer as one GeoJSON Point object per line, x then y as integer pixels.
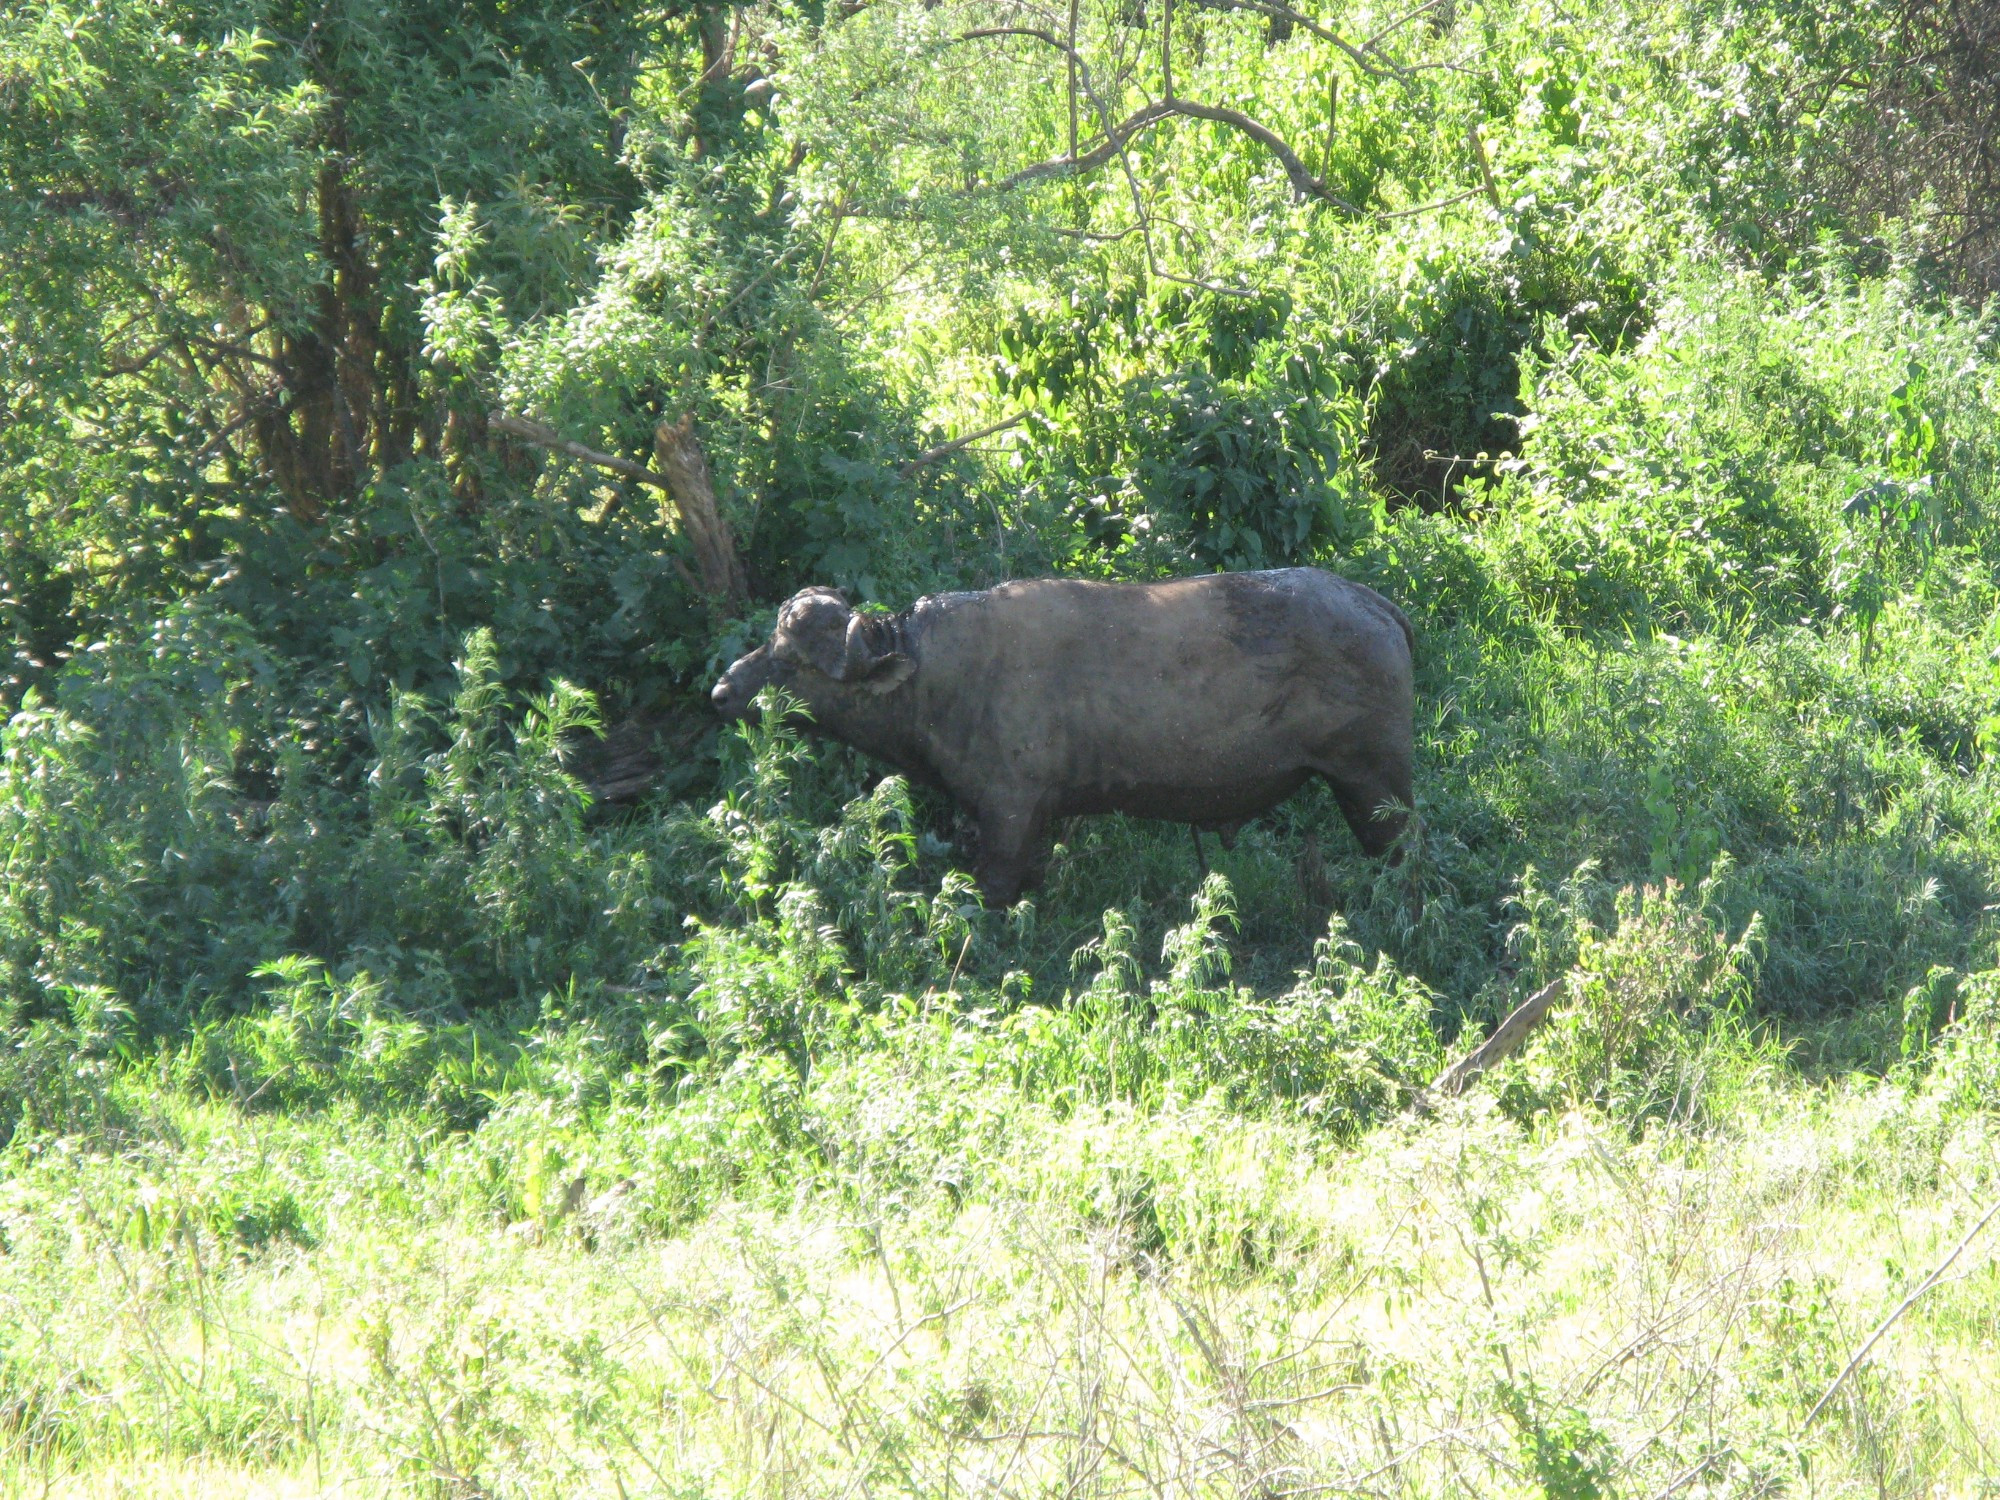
{"type": "Point", "coordinates": [1356, 55]}
{"type": "Point", "coordinates": [1097, 156]}
{"type": "Point", "coordinates": [1303, 182]}
{"type": "Point", "coordinates": [236, 351]}
{"type": "Point", "coordinates": [138, 362]}
{"type": "Point", "coordinates": [944, 450]}
{"type": "Point", "coordinates": [1097, 236]}
{"type": "Point", "coordinates": [220, 442]}
{"type": "Point", "coordinates": [1116, 137]}
{"type": "Point", "coordinates": [543, 436]}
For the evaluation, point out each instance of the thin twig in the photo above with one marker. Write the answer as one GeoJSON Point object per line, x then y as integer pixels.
{"type": "Point", "coordinates": [1400, 22]}
{"type": "Point", "coordinates": [1355, 55]}
{"type": "Point", "coordinates": [731, 305]}
{"type": "Point", "coordinates": [1685, 1477]}
{"type": "Point", "coordinates": [1424, 208]}
{"type": "Point", "coordinates": [1902, 1307]}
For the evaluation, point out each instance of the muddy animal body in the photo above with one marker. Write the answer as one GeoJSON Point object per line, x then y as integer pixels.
{"type": "Point", "coordinates": [1203, 700]}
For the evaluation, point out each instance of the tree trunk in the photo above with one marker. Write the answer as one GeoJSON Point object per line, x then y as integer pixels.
{"type": "Point", "coordinates": [325, 430]}
{"type": "Point", "coordinates": [718, 571]}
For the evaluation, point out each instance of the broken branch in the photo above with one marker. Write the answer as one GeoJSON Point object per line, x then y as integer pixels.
{"type": "Point", "coordinates": [547, 437]}
{"type": "Point", "coordinates": [677, 450]}
{"type": "Point", "coordinates": [1506, 1037]}
{"type": "Point", "coordinates": [683, 473]}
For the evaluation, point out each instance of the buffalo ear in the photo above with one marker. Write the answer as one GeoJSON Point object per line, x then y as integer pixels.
{"type": "Point", "coordinates": [889, 670]}
{"type": "Point", "coordinates": [816, 629]}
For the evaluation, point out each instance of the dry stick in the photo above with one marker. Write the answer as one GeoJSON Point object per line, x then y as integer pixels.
{"type": "Point", "coordinates": [1508, 1035]}
{"type": "Point", "coordinates": [1485, 168]}
{"type": "Point", "coordinates": [945, 450]}
{"type": "Point", "coordinates": [1902, 1307]}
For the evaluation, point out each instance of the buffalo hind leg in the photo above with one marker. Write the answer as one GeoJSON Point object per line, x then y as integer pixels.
{"type": "Point", "coordinates": [1377, 809]}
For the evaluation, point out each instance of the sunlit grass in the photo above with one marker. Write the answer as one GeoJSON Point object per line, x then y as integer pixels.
{"type": "Point", "coordinates": [1076, 1297]}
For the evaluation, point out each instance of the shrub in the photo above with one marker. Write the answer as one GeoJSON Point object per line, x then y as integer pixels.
{"type": "Point", "coordinates": [51, 1086]}
{"type": "Point", "coordinates": [1655, 1016]}
{"type": "Point", "coordinates": [323, 1038]}
{"type": "Point", "coordinates": [1348, 1043]}
{"type": "Point", "coordinates": [1966, 1068]}
{"type": "Point", "coordinates": [1639, 504]}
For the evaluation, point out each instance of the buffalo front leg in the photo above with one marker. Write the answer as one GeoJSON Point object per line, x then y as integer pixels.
{"type": "Point", "coordinates": [1013, 841]}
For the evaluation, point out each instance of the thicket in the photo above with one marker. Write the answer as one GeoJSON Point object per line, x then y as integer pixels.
{"type": "Point", "coordinates": [1588, 337]}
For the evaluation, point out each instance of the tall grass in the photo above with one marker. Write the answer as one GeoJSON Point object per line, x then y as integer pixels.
{"type": "Point", "coordinates": [960, 1252]}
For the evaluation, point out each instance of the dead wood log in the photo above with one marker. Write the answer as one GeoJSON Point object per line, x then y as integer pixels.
{"type": "Point", "coordinates": [1506, 1037]}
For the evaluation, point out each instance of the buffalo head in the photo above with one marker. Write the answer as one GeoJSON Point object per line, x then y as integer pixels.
{"type": "Point", "coordinates": [819, 649]}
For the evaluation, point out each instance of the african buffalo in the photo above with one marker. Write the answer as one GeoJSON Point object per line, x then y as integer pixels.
{"type": "Point", "coordinates": [1204, 700]}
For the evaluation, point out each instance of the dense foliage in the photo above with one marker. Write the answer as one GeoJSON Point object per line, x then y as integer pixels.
{"type": "Point", "coordinates": [1644, 352]}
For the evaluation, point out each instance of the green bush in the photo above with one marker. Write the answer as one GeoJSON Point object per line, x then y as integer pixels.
{"type": "Point", "coordinates": [321, 1040]}
{"type": "Point", "coordinates": [49, 1086]}
{"type": "Point", "coordinates": [1639, 502]}
{"type": "Point", "coordinates": [1655, 1019]}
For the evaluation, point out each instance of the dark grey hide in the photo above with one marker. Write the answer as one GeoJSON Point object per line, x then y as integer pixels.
{"type": "Point", "coordinates": [1204, 700]}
